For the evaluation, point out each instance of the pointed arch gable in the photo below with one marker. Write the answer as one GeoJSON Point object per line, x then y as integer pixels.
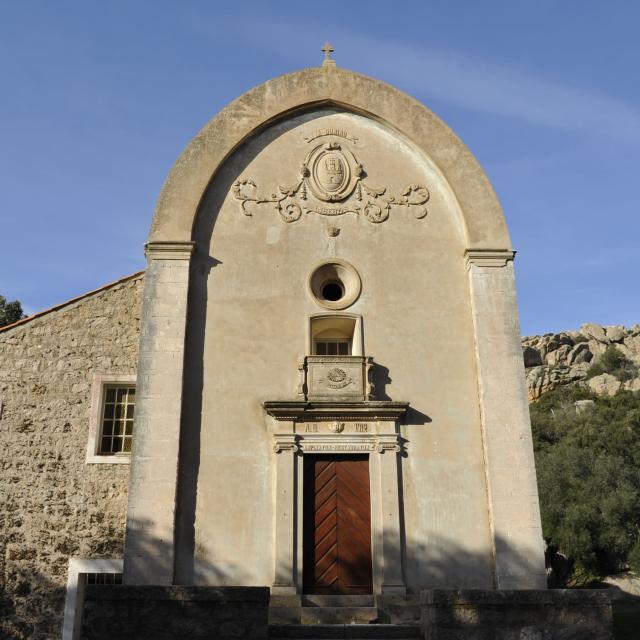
{"type": "Point", "coordinates": [179, 201]}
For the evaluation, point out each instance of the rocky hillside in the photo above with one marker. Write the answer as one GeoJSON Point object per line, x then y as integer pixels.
{"type": "Point", "coordinates": [604, 358]}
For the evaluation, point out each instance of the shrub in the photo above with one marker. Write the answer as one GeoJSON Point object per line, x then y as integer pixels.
{"type": "Point", "coordinates": [589, 479]}
{"type": "Point", "coordinates": [634, 557]}
{"type": "Point", "coordinates": [614, 362]}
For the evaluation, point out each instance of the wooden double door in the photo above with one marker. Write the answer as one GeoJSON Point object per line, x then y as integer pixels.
{"type": "Point", "coordinates": [337, 525]}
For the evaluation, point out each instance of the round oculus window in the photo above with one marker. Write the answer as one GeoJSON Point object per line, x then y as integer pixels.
{"type": "Point", "coordinates": [333, 291]}
{"type": "Point", "coordinates": [334, 284]}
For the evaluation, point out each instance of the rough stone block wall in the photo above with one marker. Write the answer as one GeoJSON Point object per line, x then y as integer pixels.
{"type": "Point", "coordinates": [546, 614]}
{"type": "Point", "coordinates": [167, 613]}
{"type": "Point", "coordinates": [54, 506]}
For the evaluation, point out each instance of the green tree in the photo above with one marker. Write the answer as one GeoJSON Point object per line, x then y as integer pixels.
{"type": "Point", "coordinates": [10, 312]}
{"type": "Point", "coordinates": [588, 466]}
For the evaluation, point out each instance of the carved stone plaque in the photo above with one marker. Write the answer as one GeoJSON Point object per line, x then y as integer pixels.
{"type": "Point", "coordinates": [331, 183]}
{"type": "Point", "coordinates": [335, 447]}
{"type": "Point", "coordinates": [326, 378]}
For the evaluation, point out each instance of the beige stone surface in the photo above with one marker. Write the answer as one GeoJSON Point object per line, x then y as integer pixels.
{"type": "Point", "coordinates": [417, 323]}
{"type": "Point", "coordinates": [509, 464]}
{"type": "Point", "coordinates": [177, 208]}
{"type": "Point", "coordinates": [325, 164]}
{"type": "Point", "coordinates": [151, 513]}
{"type": "Point", "coordinates": [604, 384]}
{"type": "Point", "coordinates": [52, 505]}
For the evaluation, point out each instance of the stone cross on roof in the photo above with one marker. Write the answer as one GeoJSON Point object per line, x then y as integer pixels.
{"type": "Point", "coordinates": [328, 60]}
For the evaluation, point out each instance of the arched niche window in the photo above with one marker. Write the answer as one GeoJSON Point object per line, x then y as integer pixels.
{"type": "Point", "coordinates": [335, 335]}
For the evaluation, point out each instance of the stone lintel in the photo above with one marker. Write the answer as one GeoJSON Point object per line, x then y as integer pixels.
{"type": "Point", "coordinates": [488, 257]}
{"type": "Point", "coordinates": [168, 250]}
{"type": "Point", "coordinates": [335, 410]}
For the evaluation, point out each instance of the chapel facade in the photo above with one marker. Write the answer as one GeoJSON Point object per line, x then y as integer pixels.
{"type": "Point", "coordinates": [328, 386]}
{"type": "Point", "coordinates": [329, 328]}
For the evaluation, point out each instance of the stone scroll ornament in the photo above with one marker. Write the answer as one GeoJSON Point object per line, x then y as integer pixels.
{"type": "Point", "coordinates": [332, 183]}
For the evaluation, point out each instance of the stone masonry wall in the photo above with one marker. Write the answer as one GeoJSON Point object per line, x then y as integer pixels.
{"type": "Point", "coordinates": [54, 506]}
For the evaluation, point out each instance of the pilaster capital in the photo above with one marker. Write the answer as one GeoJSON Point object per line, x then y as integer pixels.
{"type": "Point", "coordinates": [167, 250]}
{"type": "Point", "coordinates": [488, 257]}
{"type": "Point", "coordinates": [285, 442]}
{"type": "Point", "coordinates": [388, 443]}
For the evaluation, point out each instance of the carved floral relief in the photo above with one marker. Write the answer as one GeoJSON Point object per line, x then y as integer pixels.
{"type": "Point", "coordinates": [331, 183]}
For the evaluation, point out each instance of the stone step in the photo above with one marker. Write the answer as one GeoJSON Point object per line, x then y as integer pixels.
{"type": "Point", "coordinates": [311, 600]}
{"type": "Point", "coordinates": [345, 631]}
{"type": "Point", "coordinates": [338, 615]}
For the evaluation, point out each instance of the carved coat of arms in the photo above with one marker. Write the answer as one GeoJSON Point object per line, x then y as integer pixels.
{"type": "Point", "coordinates": [331, 183]}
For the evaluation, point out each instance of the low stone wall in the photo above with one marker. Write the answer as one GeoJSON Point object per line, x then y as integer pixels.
{"type": "Point", "coordinates": [129, 612]}
{"type": "Point", "coordinates": [553, 614]}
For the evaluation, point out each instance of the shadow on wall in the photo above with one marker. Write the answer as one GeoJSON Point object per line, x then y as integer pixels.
{"type": "Point", "coordinates": [31, 601]}
{"type": "Point", "coordinates": [32, 604]}
{"type": "Point", "coordinates": [202, 267]}
{"type": "Point", "coordinates": [156, 556]}
{"type": "Point", "coordinates": [33, 608]}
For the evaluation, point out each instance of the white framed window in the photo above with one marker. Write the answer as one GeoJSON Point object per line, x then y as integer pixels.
{"type": "Point", "coordinates": [111, 420]}
{"type": "Point", "coordinates": [83, 572]}
{"type": "Point", "coordinates": [335, 334]}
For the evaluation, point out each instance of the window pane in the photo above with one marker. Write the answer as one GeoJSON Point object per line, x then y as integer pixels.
{"type": "Point", "coordinates": [321, 349]}
{"type": "Point", "coordinates": [117, 423]}
{"type": "Point", "coordinates": [343, 348]}
{"type": "Point", "coordinates": [332, 349]}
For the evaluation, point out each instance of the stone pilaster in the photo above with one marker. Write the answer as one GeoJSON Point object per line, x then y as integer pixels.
{"type": "Point", "coordinates": [149, 544]}
{"type": "Point", "coordinates": [285, 448]}
{"type": "Point", "coordinates": [512, 489]}
{"type": "Point", "coordinates": [389, 450]}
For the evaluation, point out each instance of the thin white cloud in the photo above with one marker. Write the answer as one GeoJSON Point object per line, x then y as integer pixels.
{"type": "Point", "coordinates": [506, 91]}
{"type": "Point", "coordinates": [428, 72]}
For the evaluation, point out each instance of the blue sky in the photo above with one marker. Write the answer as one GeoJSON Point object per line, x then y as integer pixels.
{"type": "Point", "coordinates": [99, 98]}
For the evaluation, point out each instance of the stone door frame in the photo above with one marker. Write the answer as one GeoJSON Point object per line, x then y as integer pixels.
{"type": "Point", "coordinates": [301, 430]}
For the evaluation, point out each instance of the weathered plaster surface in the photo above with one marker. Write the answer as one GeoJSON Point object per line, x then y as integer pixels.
{"type": "Point", "coordinates": [248, 322]}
